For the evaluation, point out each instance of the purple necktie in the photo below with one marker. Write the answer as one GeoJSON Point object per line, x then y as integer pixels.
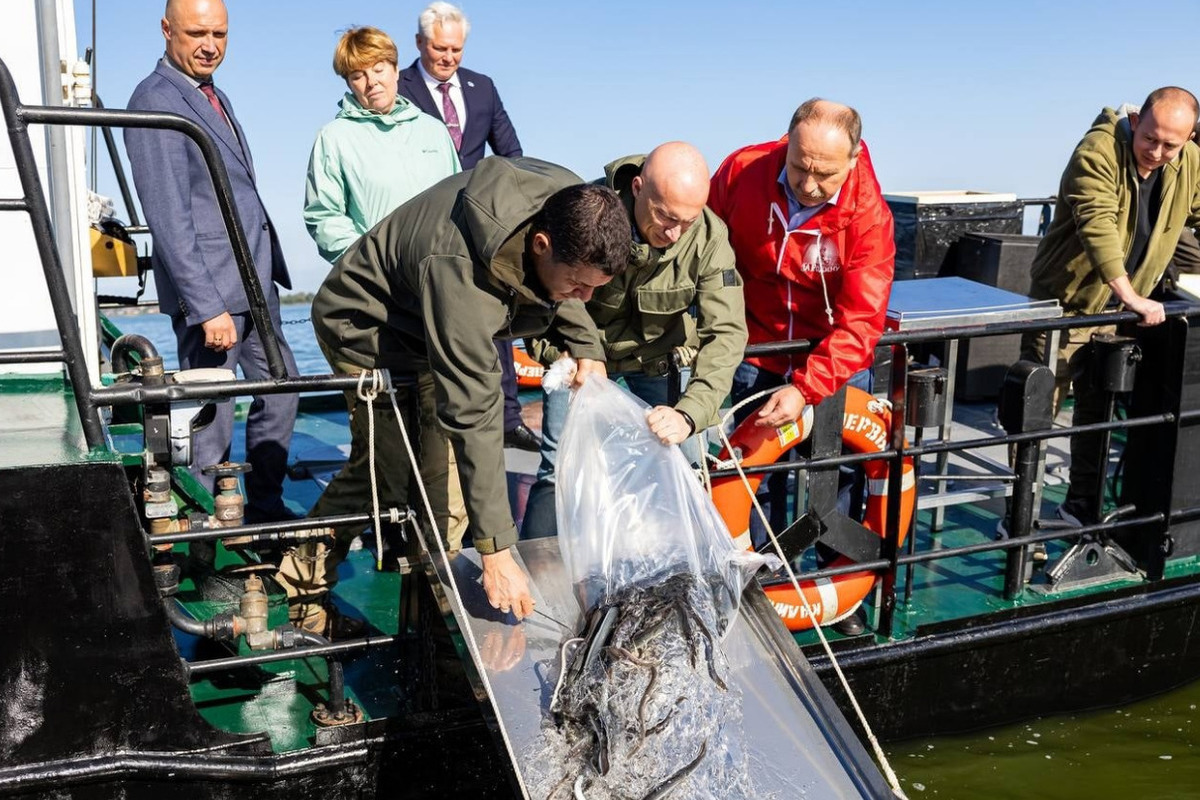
{"type": "Point", "coordinates": [215, 101]}
{"type": "Point", "coordinates": [450, 115]}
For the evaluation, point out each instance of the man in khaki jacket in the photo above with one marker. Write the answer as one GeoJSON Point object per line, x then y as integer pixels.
{"type": "Point", "coordinates": [1130, 188]}
{"type": "Point", "coordinates": [679, 259]}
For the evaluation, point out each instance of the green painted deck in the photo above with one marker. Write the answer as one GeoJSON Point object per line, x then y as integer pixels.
{"type": "Point", "coordinates": [39, 424]}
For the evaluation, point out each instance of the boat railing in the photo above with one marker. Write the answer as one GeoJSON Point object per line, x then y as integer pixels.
{"type": "Point", "coordinates": [89, 399]}
{"type": "Point", "coordinates": [1156, 522]}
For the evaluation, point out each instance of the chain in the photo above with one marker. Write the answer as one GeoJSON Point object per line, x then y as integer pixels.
{"type": "Point", "coordinates": [296, 321]}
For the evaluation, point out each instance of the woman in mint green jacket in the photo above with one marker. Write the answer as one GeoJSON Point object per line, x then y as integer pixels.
{"type": "Point", "coordinates": [377, 153]}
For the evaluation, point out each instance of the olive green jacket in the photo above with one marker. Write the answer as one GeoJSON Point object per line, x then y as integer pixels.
{"type": "Point", "coordinates": [430, 286]}
{"type": "Point", "coordinates": [1095, 217]}
{"type": "Point", "coordinates": [643, 314]}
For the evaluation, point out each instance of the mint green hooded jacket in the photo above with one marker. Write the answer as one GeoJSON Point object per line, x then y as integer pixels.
{"type": "Point", "coordinates": [364, 165]}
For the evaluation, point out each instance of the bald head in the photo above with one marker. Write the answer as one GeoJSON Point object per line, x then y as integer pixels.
{"type": "Point", "coordinates": [196, 33]}
{"type": "Point", "coordinates": [1165, 124]}
{"type": "Point", "coordinates": [670, 193]}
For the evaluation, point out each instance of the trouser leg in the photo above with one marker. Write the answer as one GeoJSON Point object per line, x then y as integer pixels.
{"type": "Point", "coordinates": [540, 511]}
{"type": "Point", "coordinates": [308, 572]}
{"type": "Point", "coordinates": [269, 425]}
{"type": "Point", "coordinates": [1074, 366]}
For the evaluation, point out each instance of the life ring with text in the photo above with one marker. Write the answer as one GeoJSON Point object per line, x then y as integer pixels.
{"type": "Point", "coordinates": [529, 372]}
{"type": "Point", "coordinates": [866, 426]}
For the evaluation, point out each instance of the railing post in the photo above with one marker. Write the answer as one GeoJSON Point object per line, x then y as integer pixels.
{"type": "Point", "coordinates": [52, 267]}
{"type": "Point", "coordinates": [891, 540]}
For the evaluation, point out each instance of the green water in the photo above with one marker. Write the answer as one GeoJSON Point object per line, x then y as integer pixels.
{"type": "Point", "coordinates": [1146, 750]}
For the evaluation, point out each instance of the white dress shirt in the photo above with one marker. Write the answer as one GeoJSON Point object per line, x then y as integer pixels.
{"type": "Point", "coordinates": [456, 95]}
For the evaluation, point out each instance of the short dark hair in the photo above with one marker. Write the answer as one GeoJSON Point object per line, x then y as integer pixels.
{"type": "Point", "coordinates": [1173, 93]}
{"type": "Point", "coordinates": [840, 116]}
{"type": "Point", "coordinates": [587, 225]}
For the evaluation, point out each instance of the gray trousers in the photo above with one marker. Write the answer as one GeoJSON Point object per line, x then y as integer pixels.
{"type": "Point", "coordinates": [269, 424]}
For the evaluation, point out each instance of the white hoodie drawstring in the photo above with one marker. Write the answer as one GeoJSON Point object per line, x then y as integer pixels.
{"type": "Point", "coordinates": [776, 211]}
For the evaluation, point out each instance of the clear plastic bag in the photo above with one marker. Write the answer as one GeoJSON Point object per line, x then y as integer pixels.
{"type": "Point", "coordinates": [631, 511]}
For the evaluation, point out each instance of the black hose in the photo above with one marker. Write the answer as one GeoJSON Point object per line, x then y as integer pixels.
{"type": "Point", "coordinates": [131, 343]}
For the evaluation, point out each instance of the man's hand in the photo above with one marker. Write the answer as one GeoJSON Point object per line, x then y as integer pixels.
{"type": "Point", "coordinates": [668, 425]}
{"type": "Point", "coordinates": [505, 584]}
{"type": "Point", "coordinates": [220, 334]}
{"type": "Point", "coordinates": [781, 408]}
{"type": "Point", "coordinates": [586, 368]}
{"type": "Point", "coordinates": [1151, 310]}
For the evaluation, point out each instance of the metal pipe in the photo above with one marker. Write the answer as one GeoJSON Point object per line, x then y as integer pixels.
{"type": "Point", "coordinates": [1021, 519]}
{"type": "Point", "coordinates": [52, 267]}
{"type": "Point", "coordinates": [910, 569]}
{"type": "Point", "coordinates": [1170, 308]}
{"type": "Point", "coordinates": [127, 343]}
{"type": "Point", "coordinates": [1063, 534]}
{"type": "Point", "coordinates": [890, 552]}
{"type": "Point", "coordinates": [178, 767]}
{"type": "Point", "coordinates": [48, 115]}
{"type": "Point", "coordinates": [138, 394]}
{"type": "Point", "coordinates": [114, 157]}
{"type": "Point", "coordinates": [262, 531]}
{"type": "Point", "coordinates": [336, 648]}
{"type": "Point", "coordinates": [36, 357]}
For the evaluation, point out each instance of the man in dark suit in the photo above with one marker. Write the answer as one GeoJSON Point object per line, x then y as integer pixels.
{"type": "Point", "coordinates": [197, 279]}
{"type": "Point", "coordinates": [470, 106]}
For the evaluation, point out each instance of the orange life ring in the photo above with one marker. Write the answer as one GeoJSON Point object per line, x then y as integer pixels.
{"type": "Point", "coordinates": [866, 424]}
{"type": "Point", "coordinates": [529, 372]}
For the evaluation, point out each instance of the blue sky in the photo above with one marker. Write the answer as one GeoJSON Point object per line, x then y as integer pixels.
{"type": "Point", "coordinates": [954, 95]}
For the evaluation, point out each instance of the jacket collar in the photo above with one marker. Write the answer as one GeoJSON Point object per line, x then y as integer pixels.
{"type": "Point", "coordinates": [204, 113]}
{"type": "Point", "coordinates": [833, 216]}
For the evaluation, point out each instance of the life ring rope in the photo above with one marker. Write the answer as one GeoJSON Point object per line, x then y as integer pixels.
{"type": "Point", "coordinates": [825, 587]}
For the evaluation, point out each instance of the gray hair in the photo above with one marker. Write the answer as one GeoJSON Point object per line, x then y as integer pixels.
{"type": "Point", "coordinates": [440, 13]}
{"type": "Point", "coordinates": [840, 116]}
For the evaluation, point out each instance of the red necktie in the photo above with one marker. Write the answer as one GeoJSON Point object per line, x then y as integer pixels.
{"type": "Point", "coordinates": [450, 115]}
{"type": "Point", "coordinates": [215, 101]}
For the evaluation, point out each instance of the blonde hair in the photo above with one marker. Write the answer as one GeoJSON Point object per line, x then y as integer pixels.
{"type": "Point", "coordinates": [361, 48]}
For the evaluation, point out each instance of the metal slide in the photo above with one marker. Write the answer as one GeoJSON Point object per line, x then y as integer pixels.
{"type": "Point", "coordinates": [796, 739]}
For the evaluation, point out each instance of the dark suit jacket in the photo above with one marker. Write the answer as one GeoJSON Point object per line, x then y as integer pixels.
{"type": "Point", "coordinates": [487, 121]}
{"type": "Point", "coordinates": [195, 273]}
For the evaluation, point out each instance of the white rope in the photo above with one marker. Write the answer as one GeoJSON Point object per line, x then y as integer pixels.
{"type": "Point", "coordinates": [880, 756]}
{"type": "Point", "coordinates": [467, 631]}
{"type": "Point", "coordinates": [381, 380]}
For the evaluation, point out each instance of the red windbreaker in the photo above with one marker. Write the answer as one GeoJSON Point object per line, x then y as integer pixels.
{"type": "Point", "coordinates": [828, 280]}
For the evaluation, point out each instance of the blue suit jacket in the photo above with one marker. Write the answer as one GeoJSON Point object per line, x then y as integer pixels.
{"type": "Point", "coordinates": [487, 121]}
{"type": "Point", "coordinates": [195, 273]}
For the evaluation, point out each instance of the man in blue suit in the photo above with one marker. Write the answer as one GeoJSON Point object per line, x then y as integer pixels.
{"type": "Point", "coordinates": [197, 279]}
{"type": "Point", "coordinates": [470, 106]}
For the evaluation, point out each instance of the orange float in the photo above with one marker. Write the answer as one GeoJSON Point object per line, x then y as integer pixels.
{"type": "Point", "coordinates": [866, 426]}
{"type": "Point", "coordinates": [529, 372]}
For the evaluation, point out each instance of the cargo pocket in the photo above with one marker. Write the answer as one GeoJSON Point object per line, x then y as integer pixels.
{"type": "Point", "coordinates": [661, 309]}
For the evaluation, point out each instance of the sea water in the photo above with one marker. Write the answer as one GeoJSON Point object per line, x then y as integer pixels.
{"type": "Point", "coordinates": [297, 329]}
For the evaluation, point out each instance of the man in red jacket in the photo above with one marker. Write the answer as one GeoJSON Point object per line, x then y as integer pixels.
{"type": "Point", "coordinates": [813, 240]}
